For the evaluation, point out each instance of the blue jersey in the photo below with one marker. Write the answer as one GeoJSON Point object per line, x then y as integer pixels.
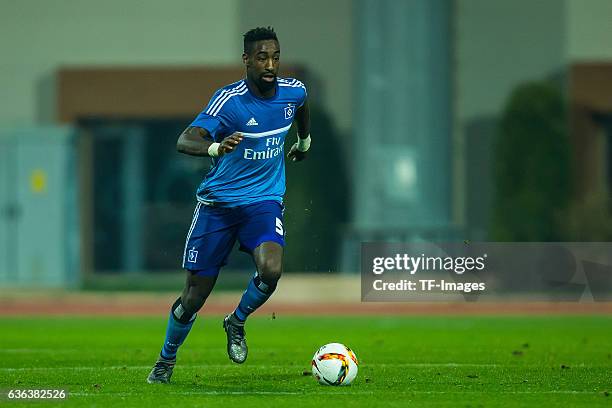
{"type": "Point", "coordinates": [255, 170]}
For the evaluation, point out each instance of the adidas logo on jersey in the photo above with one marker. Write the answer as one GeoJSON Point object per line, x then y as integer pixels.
{"type": "Point", "coordinates": [252, 122]}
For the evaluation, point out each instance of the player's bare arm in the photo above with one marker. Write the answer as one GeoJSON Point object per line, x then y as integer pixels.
{"type": "Point", "coordinates": [196, 141]}
{"type": "Point", "coordinates": [302, 119]}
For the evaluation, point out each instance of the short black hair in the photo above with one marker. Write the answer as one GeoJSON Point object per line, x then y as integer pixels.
{"type": "Point", "coordinates": [258, 34]}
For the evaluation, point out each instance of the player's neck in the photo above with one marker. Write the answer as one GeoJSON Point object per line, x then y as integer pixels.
{"type": "Point", "coordinates": [265, 94]}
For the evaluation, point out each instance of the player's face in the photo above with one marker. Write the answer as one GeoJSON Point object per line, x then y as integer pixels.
{"type": "Point", "coordinates": [262, 63]}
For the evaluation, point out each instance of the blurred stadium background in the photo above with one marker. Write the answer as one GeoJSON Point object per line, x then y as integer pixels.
{"type": "Point", "coordinates": [432, 120]}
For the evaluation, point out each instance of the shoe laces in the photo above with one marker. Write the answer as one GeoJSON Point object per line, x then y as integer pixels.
{"type": "Point", "coordinates": [237, 333]}
{"type": "Point", "coordinates": [161, 367]}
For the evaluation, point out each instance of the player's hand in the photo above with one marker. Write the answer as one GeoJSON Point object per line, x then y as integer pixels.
{"type": "Point", "coordinates": [295, 155]}
{"type": "Point", "coordinates": [229, 144]}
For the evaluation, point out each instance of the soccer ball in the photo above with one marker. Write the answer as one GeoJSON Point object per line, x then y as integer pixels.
{"type": "Point", "coordinates": [334, 364]}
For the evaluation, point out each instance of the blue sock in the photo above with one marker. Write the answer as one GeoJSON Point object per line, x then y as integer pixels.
{"type": "Point", "coordinates": [254, 296]}
{"type": "Point", "coordinates": [177, 331]}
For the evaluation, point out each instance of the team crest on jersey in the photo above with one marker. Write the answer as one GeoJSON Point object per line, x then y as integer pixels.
{"type": "Point", "coordinates": [193, 255]}
{"type": "Point", "coordinates": [289, 110]}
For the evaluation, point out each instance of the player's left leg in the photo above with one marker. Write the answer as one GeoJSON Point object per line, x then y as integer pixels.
{"type": "Point", "coordinates": [262, 235]}
{"type": "Point", "coordinates": [269, 259]}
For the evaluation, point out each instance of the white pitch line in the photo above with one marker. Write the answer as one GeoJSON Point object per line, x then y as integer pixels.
{"type": "Point", "coordinates": [95, 368]}
{"type": "Point", "coordinates": [417, 365]}
{"type": "Point", "coordinates": [441, 365]}
{"type": "Point", "coordinates": [276, 367]}
{"type": "Point", "coordinates": [127, 394]}
{"type": "Point", "coordinates": [91, 368]}
{"type": "Point", "coordinates": [309, 393]}
{"type": "Point", "coordinates": [38, 350]}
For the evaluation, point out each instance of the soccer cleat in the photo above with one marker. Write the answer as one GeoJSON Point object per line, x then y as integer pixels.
{"type": "Point", "coordinates": [236, 341]}
{"type": "Point", "coordinates": [162, 371]}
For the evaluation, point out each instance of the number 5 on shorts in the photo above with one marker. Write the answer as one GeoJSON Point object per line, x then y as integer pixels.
{"type": "Point", "coordinates": [279, 227]}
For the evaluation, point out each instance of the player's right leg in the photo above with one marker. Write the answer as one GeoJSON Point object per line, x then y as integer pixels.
{"type": "Point", "coordinates": [261, 234]}
{"type": "Point", "coordinates": [210, 240]}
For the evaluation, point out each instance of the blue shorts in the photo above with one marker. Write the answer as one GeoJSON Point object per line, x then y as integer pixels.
{"type": "Point", "coordinates": [214, 231]}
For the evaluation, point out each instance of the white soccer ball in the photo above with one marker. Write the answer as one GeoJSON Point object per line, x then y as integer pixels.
{"type": "Point", "coordinates": [334, 364]}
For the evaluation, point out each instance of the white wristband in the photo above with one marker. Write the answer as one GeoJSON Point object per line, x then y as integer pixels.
{"type": "Point", "coordinates": [303, 144]}
{"type": "Point", "coordinates": [213, 149]}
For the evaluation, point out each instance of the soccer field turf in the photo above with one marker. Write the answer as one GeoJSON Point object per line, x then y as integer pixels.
{"type": "Point", "coordinates": [404, 361]}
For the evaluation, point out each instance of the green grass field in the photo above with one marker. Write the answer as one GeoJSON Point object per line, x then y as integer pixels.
{"type": "Point", "coordinates": [404, 361]}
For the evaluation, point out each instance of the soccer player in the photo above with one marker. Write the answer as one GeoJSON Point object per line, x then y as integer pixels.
{"type": "Point", "coordinates": [243, 129]}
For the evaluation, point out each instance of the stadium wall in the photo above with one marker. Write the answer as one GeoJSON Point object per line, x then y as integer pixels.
{"type": "Point", "coordinates": [589, 28]}
{"type": "Point", "coordinates": [40, 37]}
{"type": "Point", "coordinates": [498, 45]}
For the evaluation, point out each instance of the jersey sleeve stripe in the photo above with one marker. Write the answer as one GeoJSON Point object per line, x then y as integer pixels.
{"type": "Point", "coordinates": [293, 86]}
{"type": "Point", "coordinates": [214, 101]}
{"type": "Point", "coordinates": [286, 81]}
{"type": "Point", "coordinates": [293, 83]}
{"type": "Point", "coordinates": [221, 102]}
{"type": "Point", "coordinates": [225, 91]}
{"type": "Point", "coordinates": [222, 96]}
{"type": "Point", "coordinates": [227, 98]}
